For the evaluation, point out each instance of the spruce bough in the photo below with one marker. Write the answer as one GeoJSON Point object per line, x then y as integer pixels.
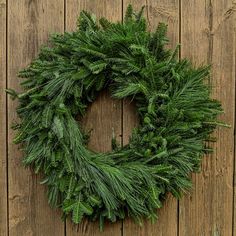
{"type": "Point", "coordinates": [173, 102]}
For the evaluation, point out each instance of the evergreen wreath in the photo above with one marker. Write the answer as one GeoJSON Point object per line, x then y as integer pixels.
{"type": "Point", "coordinates": [173, 102]}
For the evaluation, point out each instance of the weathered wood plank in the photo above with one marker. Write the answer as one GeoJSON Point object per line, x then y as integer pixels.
{"type": "Point", "coordinates": [207, 35]}
{"type": "Point", "coordinates": [104, 116]}
{"type": "Point", "coordinates": [166, 11]}
{"type": "Point", "coordinates": [234, 76]}
{"type": "Point", "coordinates": [29, 24]}
{"type": "Point", "coordinates": [3, 122]}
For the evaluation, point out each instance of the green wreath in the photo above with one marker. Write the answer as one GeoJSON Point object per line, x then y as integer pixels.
{"type": "Point", "coordinates": [173, 102]}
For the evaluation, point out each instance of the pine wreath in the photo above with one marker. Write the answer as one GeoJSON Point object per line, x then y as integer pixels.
{"type": "Point", "coordinates": [173, 102]}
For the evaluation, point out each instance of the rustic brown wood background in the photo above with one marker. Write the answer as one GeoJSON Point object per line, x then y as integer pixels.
{"type": "Point", "coordinates": [206, 31]}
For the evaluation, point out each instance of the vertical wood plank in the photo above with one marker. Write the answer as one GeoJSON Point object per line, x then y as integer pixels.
{"type": "Point", "coordinates": [208, 35]}
{"type": "Point", "coordinates": [104, 115]}
{"type": "Point", "coordinates": [234, 181]}
{"type": "Point", "coordinates": [3, 122]}
{"type": "Point", "coordinates": [195, 45]}
{"type": "Point", "coordinates": [29, 25]}
{"type": "Point", "coordinates": [165, 11]}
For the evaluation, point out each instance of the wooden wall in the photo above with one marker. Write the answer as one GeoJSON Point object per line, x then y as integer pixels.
{"type": "Point", "coordinates": [206, 30]}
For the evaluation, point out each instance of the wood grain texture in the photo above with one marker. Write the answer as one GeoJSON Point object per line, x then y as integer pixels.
{"type": "Point", "coordinates": [165, 11]}
{"type": "Point", "coordinates": [3, 123]}
{"type": "Point", "coordinates": [207, 36]}
{"type": "Point", "coordinates": [103, 118]}
{"type": "Point", "coordinates": [29, 24]}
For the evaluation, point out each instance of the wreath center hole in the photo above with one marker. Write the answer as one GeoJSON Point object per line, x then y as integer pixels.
{"type": "Point", "coordinates": [108, 118]}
